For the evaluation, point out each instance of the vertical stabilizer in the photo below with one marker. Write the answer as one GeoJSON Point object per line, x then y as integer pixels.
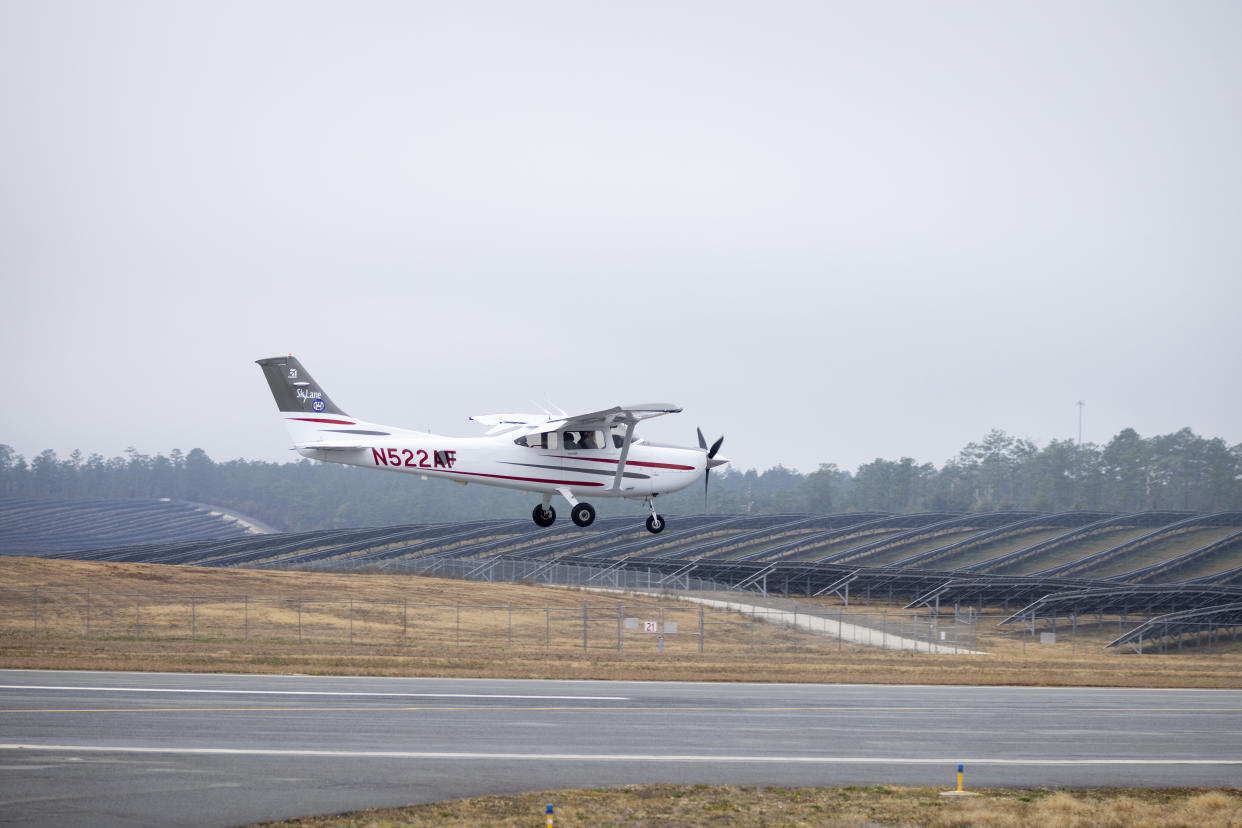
{"type": "Point", "coordinates": [294, 389]}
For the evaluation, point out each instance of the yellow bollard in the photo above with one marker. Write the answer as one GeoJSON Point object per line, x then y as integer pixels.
{"type": "Point", "coordinates": [960, 791]}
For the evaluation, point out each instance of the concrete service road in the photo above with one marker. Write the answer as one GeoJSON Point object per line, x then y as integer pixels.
{"type": "Point", "coordinates": [83, 748]}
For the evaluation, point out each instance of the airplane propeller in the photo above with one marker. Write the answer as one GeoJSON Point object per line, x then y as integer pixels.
{"type": "Point", "coordinates": [711, 455]}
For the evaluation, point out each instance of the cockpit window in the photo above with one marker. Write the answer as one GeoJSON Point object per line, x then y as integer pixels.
{"type": "Point", "coordinates": [545, 440]}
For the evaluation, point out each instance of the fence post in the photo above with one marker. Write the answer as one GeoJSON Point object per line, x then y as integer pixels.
{"type": "Point", "coordinates": [700, 628]}
{"type": "Point", "coordinates": [459, 623]}
{"type": "Point", "coordinates": [510, 645]}
{"type": "Point", "coordinates": [619, 614]}
{"type": "Point", "coordinates": [547, 625]}
{"type": "Point", "coordinates": [840, 627]}
{"type": "Point", "coordinates": [405, 622]}
{"type": "Point", "coordinates": [246, 617]}
{"type": "Point", "coordinates": [138, 616]}
{"type": "Point", "coordinates": [193, 620]}
{"type": "Point", "coordinates": [88, 614]}
{"type": "Point", "coordinates": [884, 633]}
{"type": "Point", "coordinates": [584, 625]}
{"type": "Point", "coordinates": [36, 612]}
{"type": "Point", "coordinates": [299, 620]}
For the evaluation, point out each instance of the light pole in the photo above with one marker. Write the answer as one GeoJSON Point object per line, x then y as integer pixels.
{"type": "Point", "coordinates": [1081, 406]}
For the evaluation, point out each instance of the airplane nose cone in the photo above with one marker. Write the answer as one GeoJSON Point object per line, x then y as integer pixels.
{"type": "Point", "coordinates": [713, 462]}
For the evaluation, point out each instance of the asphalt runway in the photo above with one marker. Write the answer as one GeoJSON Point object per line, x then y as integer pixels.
{"type": "Point", "coordinates": [80, 748]}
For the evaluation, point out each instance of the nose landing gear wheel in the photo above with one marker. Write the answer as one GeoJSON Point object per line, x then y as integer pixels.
{"type": "Point", "coordinates": [655, 524]}
{"type": "Point", "coordinates": [583, 514]}
{"type": "Point", "coordinates": [544, 517]}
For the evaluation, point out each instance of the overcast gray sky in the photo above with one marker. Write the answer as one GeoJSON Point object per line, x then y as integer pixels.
{"type": "Point", "coordinates": [831, 231]}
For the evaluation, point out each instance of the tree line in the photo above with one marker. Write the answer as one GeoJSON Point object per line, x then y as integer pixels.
{"type": "Point", "coordinates": [1179, 471]}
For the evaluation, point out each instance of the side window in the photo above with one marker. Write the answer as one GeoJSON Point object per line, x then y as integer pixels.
{"type": "Point", "coordinates": [584, 440]}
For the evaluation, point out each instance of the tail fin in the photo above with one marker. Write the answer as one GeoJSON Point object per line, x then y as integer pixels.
{"type": "Point", "coordinates": [294, 389]}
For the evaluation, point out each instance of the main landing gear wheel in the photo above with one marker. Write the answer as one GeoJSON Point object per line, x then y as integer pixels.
{"type": "Point", "coordinates": [655, 524]}
{"type": "Point", "coordinates": [583, 514]}
{"type": "Point", "coordinates": [544, 517]}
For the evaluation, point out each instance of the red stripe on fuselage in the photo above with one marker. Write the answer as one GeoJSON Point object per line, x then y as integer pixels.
{"type": "Point", "coordinates": [421, 470]}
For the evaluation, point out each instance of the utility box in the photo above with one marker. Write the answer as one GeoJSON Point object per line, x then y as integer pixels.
{"type": "Point", "coordinates": [1047, 638]}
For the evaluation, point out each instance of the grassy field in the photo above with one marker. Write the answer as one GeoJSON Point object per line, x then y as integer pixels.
{"type": "Point", "coordinates": [213, 620]}
{"type": "Point", "coordinates": [692, 806]}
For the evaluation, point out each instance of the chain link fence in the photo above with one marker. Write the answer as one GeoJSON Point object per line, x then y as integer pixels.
{"type": "Point", "coordinates": [715, 622]}
{"type": "Point", "coordinates": [515, 570]}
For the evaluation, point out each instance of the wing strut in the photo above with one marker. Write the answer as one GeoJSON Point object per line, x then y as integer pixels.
{"type": "Point", "coordinates": [625, 452]}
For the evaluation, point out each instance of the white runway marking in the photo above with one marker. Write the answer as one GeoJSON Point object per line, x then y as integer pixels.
{"type": "Point", "coordinates": [310, 693]}
{"type": "Point", "coordinates": [609, 757]}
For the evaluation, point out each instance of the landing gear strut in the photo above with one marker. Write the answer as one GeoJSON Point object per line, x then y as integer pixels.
{"type": "Point", "coordinates": [655, 523]}
{"type": "Point", "coordinates": [583, 514]}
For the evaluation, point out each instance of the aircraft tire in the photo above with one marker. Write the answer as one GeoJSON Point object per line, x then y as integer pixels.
{"type": "Point", "coordinates": [655, 524]}
{"type": "Point", "coordinates": [543, 519]}
{"type": "Point", "coordinates": [583, 514]}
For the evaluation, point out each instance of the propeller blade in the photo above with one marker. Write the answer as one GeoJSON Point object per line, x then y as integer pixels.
{"type": "Point", "coordinates": [711, 454]}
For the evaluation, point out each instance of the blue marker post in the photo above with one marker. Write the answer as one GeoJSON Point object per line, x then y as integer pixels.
{"type": "Point", "coordinates": [549, 812]}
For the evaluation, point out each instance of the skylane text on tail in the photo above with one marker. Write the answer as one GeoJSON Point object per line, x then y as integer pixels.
{"type": "Point", "coordinates": [588, 455]}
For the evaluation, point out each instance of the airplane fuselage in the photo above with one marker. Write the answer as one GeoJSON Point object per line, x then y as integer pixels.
{"type": "Point", "coordinates": [494, 461]}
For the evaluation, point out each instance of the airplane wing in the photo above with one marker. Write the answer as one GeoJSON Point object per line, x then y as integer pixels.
{"type": "Point", "coordinates": [510, 419]}
{"type": "Point", "coordinates": [617, 415]}
{"type": "Point", "coordinates": [507, 422]}
{"type": "Point", "coordinates": [604, 419]}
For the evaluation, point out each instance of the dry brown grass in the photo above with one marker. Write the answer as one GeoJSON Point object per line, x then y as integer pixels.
{"type": "Point", "coordinates": [507, 630]}
{"type": "Point", "coordinates": [691, 806]}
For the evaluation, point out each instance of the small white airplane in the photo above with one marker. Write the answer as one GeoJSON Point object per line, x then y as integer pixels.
{"type": "Point", "coordinates": [592, 454]}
